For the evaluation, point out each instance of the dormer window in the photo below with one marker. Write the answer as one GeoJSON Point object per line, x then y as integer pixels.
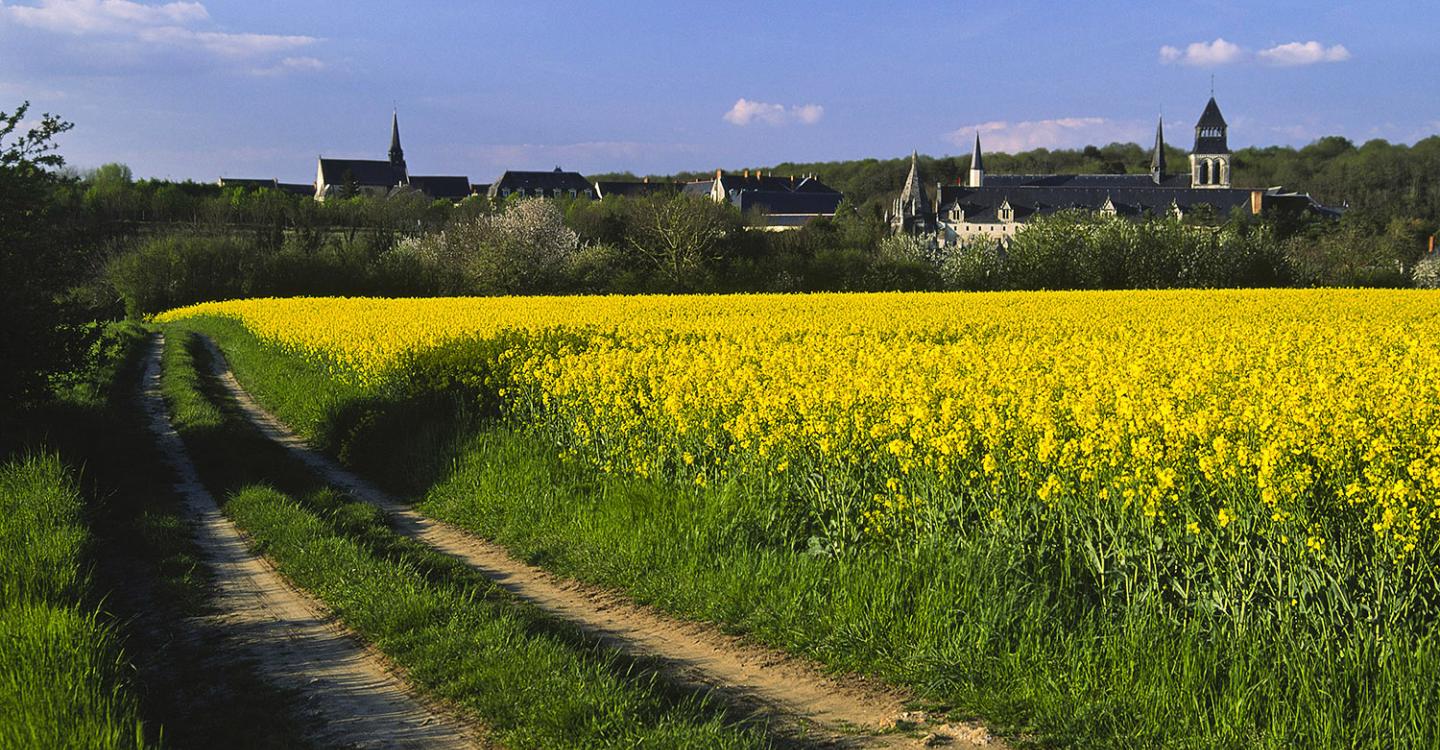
{"type": "Point", "coordinates": [1006, 212]}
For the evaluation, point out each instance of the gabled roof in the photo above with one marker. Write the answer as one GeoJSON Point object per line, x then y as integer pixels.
{"type": "Point", "coordinates": [787, 202]}
{"type": "Point", "coordinates": [365, 172]}
{"type": "Point", "coordinates": [247, 183]}
{"type": "Point", "coordinates": [772, 182]}
{"type": "Point", "coordinates": [1096, 181]}
{"type": "Point", "coordinates": [441, 186]}
{"type": "Point", "coordinates": [981, 203]}
{"type": "Point", "coordinates": [633, 188]}
{"type": "Point", "coordinates": [556, 179]}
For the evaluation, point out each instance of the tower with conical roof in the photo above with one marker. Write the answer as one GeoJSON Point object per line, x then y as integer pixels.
{"type": "Point", "coordinates": [911, 213]}
{"type": "Point", "coordinates": [1157, 159]}
{"type": "Point", "coordinates": [1210, 158]}
{"type": "Point", "coordinates": [397, 154]}
{"type": "Point", "coordinates": [977, 164]}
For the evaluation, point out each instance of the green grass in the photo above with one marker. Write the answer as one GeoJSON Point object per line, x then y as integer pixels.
{"type": "Point", "coordinates": [62, 671]}
{"type": "Point", "coordinates": [138, 567]}
{"type": "Point", "coordinates": [532, 681]}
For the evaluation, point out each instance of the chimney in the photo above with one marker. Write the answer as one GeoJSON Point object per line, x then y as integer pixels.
{"type": "Point", "coordinates": [746, 174]}
{"type": "Point", "coordinates": [1257, 201]}
{"type": "Point", "coordinates": [646, 179]}
{"type": "Point", "coordinates": [717, 174]}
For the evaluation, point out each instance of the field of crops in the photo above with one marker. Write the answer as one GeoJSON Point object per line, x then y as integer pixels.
{"type": "Point", "coordinates": [1255, 466]}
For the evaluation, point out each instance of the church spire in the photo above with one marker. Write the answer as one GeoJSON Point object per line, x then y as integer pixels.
{"type": "Point", "coordinates": [977, 164]}
{"type": "Point", "coordinates": [1157, 159]}
{"type": "Point", "coordinates": [397, 154]}
{"type": "Point", "coordinates": [912, 214]}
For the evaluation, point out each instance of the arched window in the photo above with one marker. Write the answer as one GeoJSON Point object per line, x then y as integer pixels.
{"type": "Point", "coordinates": [1203, 178]}
{"type": "Point", "coordinates": [1222, 171]}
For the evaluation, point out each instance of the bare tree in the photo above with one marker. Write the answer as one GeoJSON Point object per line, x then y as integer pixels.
{"type": "Point", "coordinates": [680, 234]}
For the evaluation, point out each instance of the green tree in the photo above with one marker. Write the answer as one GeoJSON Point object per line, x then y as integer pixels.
{"type": "Point", "coordinates": [36, 263]}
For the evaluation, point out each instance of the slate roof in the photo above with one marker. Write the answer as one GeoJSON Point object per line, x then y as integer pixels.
{"type": "Point", "coordinates": [1211, 117]}
{"type": "Point", "coordinates": [632, 188]}
{"type": "Point", "coordinates": [365, 172]}
{"type": "Point", "coordinates": [248, 183]}
{"type": "Point", "coordinates": [549, 182]}
{"type": "Point", "coordinates": [774, 183]}
{"type": "Point", "coordinates": [442, 186]}
{"type": "Point", "coordinates": [1097, 181]}
{"type": "Point", "coordinates": [1210, 131]}
{"type": "Point", "coordinates": [698, 187]}
{"type": "Point", "coordinates": [981, 204]}
{"type": "Point", "coordinates": [913, 201]}
{"type": "Point", "coordinates": [777, 202]}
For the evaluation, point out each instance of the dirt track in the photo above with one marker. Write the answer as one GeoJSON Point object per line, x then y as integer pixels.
{"type": "Point", "coordinates": [350, 697]}
{"type": "Point", "coordinates": [794, 693]}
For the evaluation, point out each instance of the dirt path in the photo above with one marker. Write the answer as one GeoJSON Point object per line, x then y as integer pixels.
{"type": "Point", "coordinates": [844, 712]}
{"type": "Point", "coordinates": [351, 696]}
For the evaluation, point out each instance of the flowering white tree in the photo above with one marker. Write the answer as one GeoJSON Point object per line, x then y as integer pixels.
{"type": "Point", "coordinates": [518, 250]}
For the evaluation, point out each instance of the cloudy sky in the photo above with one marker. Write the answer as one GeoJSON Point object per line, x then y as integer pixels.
{"type": "Point", "coordinates": [201, 88]}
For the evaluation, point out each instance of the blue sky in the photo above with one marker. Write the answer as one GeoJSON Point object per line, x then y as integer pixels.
{"type": "Point", "coordinates": [202, 88]}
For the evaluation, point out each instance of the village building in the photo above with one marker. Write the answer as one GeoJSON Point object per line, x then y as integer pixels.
{"type": "Point", "coordinates": [246, 183]}
{"type": "Point", "coordinates": [634, 188]}
{"type": "Point", "coordinates": [557, 183]}
{"type": "Point", "coordinates": [345, 177]}
{"type": "Point", "coordinates": [779, 203]}
{"type": "Point", "coordinates": [997, 206]}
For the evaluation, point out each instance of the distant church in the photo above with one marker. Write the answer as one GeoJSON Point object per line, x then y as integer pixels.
{"type": "Point", "coordinates": [996, 206]}
{"type": "Point", "coordinates": [337, 177]}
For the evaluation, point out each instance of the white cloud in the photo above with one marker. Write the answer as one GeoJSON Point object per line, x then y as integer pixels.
{"type": "Point", "coordinates": [172, 25]}
{"type": "Point", "coordinates": [1304, 53]}
{"type": "Point", "coordinates": [102, 16]}
{"type": "Point", "coordinates": [745, 112]}
{"type": "Point", "coordinates": [1061, 132]}
{"type": "Point", "coordinates": [1221, 52]}
{"type": "Point", "coordinates": [1203, 54]}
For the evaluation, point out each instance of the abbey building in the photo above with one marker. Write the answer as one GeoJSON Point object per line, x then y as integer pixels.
{"type": "Point", "coordinates": [996, 205]}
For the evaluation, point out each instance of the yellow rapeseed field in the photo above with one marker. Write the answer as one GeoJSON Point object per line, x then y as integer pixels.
{"type": "Point", "coordinates": [1288, 417]}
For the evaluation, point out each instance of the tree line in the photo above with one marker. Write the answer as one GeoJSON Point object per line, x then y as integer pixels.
{"type": "Point", "coordinates": [81, 247]}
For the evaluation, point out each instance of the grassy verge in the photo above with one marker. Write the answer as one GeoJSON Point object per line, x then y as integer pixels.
{"type": "Point", "coordinates": [62, 672]}
{"type": "Point", "coordinates": [533, 681]}
{"type": "Point", "coordinates": [966, 622]}
{"type": "Point", "coordinates": [146, 580]}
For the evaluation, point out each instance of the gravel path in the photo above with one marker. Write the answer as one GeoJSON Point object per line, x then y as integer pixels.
{"type": "Point", "coordinates": [792, 692]}
{"type": "Point", "coordinates": [349, 694]}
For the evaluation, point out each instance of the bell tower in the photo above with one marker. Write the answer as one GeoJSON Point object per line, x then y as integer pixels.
{"type": "Point", "coordinates": [1210, 158]}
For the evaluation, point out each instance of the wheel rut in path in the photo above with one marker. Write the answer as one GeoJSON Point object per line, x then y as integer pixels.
{"type": "Point", "coordinates": [351, 698]}
{"type": "Point", "coordinates": [792, 692]}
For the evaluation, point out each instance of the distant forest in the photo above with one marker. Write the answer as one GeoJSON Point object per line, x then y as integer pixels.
{"type": "Point", "coordinates": [1378, 179]}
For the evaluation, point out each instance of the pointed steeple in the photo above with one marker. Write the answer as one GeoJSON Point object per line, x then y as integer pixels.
{"type": "Point", "coordinates": [913, 193]}
{"type": "Point", "coordinates": [1157, 159]}
{"type": "Point", "coordinates": [977, 164]}
{"type": "Point", "coordinates": [397, 154]}
{"type": "Point", "coordinates": [912, 213]}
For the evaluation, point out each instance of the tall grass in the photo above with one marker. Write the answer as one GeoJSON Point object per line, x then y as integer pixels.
{"type": "Point", "coordinates": [967, 620]}
{"type": "Point", "coordinates": [533, 682]}
{"type": "Point", "coordinates": [62, 673]}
